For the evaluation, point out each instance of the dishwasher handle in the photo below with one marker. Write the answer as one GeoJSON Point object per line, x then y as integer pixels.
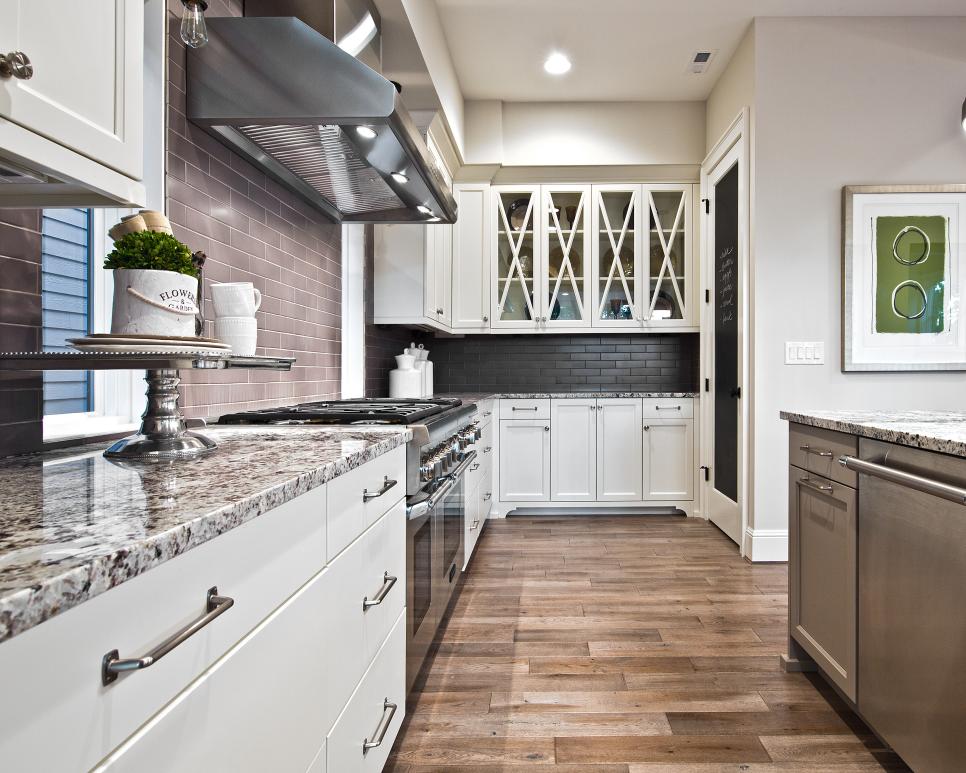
{"type": "Point", "coordinates": [907, 479]}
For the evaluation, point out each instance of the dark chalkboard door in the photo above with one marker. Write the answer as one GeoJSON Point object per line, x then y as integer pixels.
{"type": "Point", "coordinates": [725, 237]}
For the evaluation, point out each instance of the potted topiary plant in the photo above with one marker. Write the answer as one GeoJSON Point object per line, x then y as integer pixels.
{"type": "Point", "coordinates": [155, 285]}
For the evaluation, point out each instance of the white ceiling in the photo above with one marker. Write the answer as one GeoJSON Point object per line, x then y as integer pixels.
{"type": "Point", "coordinates": [620, 49]}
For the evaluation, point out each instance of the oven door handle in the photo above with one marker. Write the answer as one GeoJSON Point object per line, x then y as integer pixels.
{"type": "Point", "coordinates": [419, 509]}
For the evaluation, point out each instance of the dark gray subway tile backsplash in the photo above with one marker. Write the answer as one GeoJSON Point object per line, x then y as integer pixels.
{"type": "Point", "coordinates": [557, 363]}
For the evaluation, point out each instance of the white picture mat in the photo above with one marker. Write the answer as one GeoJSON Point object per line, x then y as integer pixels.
{"type": "Point", "coordinates": [869, 350]}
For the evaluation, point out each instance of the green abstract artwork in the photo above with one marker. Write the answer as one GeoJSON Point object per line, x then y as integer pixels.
{"type": "Point", "coordinates": [910, 273]}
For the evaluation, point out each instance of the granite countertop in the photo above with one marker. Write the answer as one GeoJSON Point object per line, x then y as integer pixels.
{"type": "Point", "coordinates": [73, 524]}
{"type": "Point", "coordinates": [467, 397]}
{"type": "Point", "coordinates": [940, 431]}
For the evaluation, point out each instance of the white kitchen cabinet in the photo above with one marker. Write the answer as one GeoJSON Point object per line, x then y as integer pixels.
{"type": "Point", "coordinates": [525, 460]}
{"type": "Point", "coordinates": [541, 256]}
{"type": "Point", "coordinates": [258, 708]}
{"type": "Point", "coordinates": [643, 262]}
{"type": "Point", "coordinates": [472, 522]}
{"type": "Point", "coordinates": [437, 276]}
{"type": "Point", "coordinates": [471, 258]}
{"type": "Point", "coordinates": [574, 453]}
{"type": "Point", "coordinates": [619, 450]}
{"type": "Point", "coordinates": [412, 270]}
{"type": "Point", "coordinates": [79, 117]}
{"type": "Point", "coordinates": [669, 459]}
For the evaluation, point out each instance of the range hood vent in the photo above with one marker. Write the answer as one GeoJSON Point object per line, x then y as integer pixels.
{"type": "Point", "coordinates": [291, 101]}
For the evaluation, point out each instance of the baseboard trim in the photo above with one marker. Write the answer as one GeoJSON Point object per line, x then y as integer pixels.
{"type": "Point", "coordinates": [766, 544]}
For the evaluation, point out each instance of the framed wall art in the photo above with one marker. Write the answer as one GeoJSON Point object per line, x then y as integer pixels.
{"type": "Point", "coordinates": [903, 277]}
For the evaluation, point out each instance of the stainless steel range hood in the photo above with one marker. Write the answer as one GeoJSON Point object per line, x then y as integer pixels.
{"type": "Point", "coordinates": [317, 120]}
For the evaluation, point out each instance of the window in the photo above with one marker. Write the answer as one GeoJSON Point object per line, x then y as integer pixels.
{"type": "Point", "coordinates": [76, 298]}
{"type": "Point", "coordinates": [66, 286]}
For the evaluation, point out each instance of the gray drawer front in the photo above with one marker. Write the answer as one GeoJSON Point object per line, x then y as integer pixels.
{"type": "Point", "coordinates": [818, 450]}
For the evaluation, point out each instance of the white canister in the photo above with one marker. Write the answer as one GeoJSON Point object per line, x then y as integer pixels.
{"type": "Point", "coordinates": [405, 380]}
{"type": "Point", "coordinates": [421, 370]}
{"type": "Point", "coordinates": [428, 376]}
{"type": "Point", "coordinates": [162, 303]}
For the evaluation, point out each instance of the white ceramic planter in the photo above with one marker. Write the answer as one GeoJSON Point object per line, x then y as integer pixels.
{"type": "Point", "coordinates": [151, 302]}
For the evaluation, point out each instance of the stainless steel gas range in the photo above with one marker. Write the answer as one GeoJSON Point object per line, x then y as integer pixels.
{"type": "Point", "coordinates": [436, 462]}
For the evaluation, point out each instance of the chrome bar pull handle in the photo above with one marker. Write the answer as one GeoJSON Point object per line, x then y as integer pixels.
{"type": "Point", "coordinates": [807, 481]}
{"type": "Point", "coordinates": [386, 485]}
{"type": "Point", "coordinates": [667, 407]}
{"type": "Point", "coordinates": [534, 408]}
{"type": "Point", "coordinates": [387, 582]}
{"type": "Point", "coordinates": [112, 664]}
{"type": "Point", "coordinates": [909, 480]}
{"type": "Point", "coordinates": [815, 451]}
{"type": "Point", "coordinates": [388, 712]}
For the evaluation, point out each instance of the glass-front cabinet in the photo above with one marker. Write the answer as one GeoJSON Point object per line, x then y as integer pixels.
{"type": "Point", "coordinates": [607, 256]}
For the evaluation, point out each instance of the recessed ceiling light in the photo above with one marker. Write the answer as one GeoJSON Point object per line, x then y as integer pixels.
{"type": "Point", "coordinates": [399, 177]}
{"type": "Point", "coordinates": [424, 210]}
{"type": "Point", "coordinates": [366, 131]}
{"type": "Point", "coordinates": [557, 64]}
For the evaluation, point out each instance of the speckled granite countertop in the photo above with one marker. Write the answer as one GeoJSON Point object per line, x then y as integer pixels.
{"type": "Point", "coordinates": [467, 397]}
{"type": "Point", "coordinates": [73, 524]}
{"type": "Point", "coordinates": [931, 430]}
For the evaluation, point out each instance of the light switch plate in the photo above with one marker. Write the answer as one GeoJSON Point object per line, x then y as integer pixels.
{"type": "Point", "coordinates": [804, 352]}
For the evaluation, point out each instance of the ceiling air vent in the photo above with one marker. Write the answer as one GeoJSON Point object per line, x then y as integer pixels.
{"type": "Point", "coordinates": [700, 60]}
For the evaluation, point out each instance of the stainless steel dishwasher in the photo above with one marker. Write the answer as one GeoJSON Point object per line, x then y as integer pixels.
{"type": "Point", "coordinates": [912, 616]}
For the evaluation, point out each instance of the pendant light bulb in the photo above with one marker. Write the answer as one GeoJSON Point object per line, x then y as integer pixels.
{"type": "Point", "coordinates": [194, 32]}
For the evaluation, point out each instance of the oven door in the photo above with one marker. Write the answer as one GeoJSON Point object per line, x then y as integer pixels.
{"type": "Point", "coordinates": [434, 555]}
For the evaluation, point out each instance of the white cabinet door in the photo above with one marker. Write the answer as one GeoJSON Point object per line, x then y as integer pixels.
{"type": "Point", "coordinates": [516, 257]}
{"type": "Point", "coordinates": [669, 459]}
{"type": "Point", "coordinates": [444, 274]}
{"type": "Point", "coordinates": [565, 276]}
{"type": "Point", "coordinates": [86, 89]}
{"type": "Point", "coordinates": [258, 708]}
{"type": "Point", "coordinates": [573, 454]}
{"type": "Point", "coordinates": [431, 268]}
{"type": "Point", "coordinates": [471, 257]}
{"type": "Point", "coordinates": [619, 463]}
{"type": "Point", "coordinates": [525, 460]}
{"type": "Point", "coordinates": [667, 242]}
{"type": "Point", "coordinates": [618, 283]}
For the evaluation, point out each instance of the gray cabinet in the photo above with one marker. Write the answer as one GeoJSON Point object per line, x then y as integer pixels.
{"type": "Point", "coordinates": [822, 565]}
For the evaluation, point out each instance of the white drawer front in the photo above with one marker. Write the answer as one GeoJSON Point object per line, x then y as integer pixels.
{"type": "Point", "coordinates": [350, 513]}
{"type": "Point", "coordinates": [385, 555]}
{"type": "Point", "coordinates": [474, 473]}
{"type": "Point", "coordinates": [668, 408]}
{"type": "Point", "coordinates": [486, 496]}
{"type": "Point", "coordinates": [485, 411]}
{"type": "Point", "coordinates": [485, 445]}
{"type": "Point", "coordinates": [51, 674]}
{"type": "Point", "coordinates": [257, 709]}
{"type": "Point", "coordinates": [525, 409]}
{"type": "Point", "coordinates": [471, 522]}
{"type": "Point", "coordinates": [385, 681]}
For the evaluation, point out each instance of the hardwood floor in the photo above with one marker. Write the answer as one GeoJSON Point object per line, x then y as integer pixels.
{"type": "Point", "coordinates": [589, 644]}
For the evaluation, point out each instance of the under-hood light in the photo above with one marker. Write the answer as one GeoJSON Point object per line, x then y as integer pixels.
{"type": "Point", "coordinates": [424, 209]}
{"type": "Point", "coordinates": [366, 131]}
{"type": "Point", "coordinates": [399, 177]}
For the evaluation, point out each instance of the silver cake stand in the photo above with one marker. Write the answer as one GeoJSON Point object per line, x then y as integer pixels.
{"type": "Point", "coordinates": [163, 434]}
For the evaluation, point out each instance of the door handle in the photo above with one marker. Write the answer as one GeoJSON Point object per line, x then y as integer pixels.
{"type": "Point", "coordinates": [736, 393]}
{"type": "Point", "coordinates": [806, 481]}
{"type": "Point", "coordinates": [386, 485]}
{"type": "Point", "coordinates": [387, 583]}
{"type": "Point", "coordinates": [809, 450]}
{"type": "Point", "coordinates": [112, 664]}
{"type": "Point", "coordinates": [535, 408]}
{"type": "Point", "coordinates": [388, 712]}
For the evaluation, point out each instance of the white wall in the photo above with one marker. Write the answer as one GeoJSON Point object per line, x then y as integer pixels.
{"type": "Point", "coordinates": [838, 101]}
{"type": "Point", "coordinates": [584, 133]}
{"type": "Point", "coordinates": [734, 90]}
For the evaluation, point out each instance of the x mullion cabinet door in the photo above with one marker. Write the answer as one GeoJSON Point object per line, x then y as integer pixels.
{"type": "Point", "coordinates": [516, 297]}
{"type": "Point", "coordinates": [619, 284]}
{"type": "Point", "coordinates": [565, 222]}
{"type": "Point", "coordinates": [667, 255]}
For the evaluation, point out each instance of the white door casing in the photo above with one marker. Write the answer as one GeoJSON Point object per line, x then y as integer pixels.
{"type": "Point", "coordinates": [731, 151]}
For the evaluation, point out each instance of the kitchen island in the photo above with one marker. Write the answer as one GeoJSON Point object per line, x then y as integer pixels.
{"type": "Point", "coordinates": [272, 569]}
{"type": "Point", "coordinates": [877, 560]}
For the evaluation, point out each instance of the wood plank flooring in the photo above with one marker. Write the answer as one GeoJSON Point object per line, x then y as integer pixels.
{"type": "Point", "coordinates": [590, 644]}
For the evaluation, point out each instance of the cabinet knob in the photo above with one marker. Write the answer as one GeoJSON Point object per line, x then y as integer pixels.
{"type": "Point", "coordinates": [647, 428]}
{"type": "Point", "coordinates": [439, 311]}
{"type": "Point", "coordinates": [486, 318]}
{"type": "Point", "coordinates": [16, 64]}
{"type": "Point", "coordinates": [546, 429]}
